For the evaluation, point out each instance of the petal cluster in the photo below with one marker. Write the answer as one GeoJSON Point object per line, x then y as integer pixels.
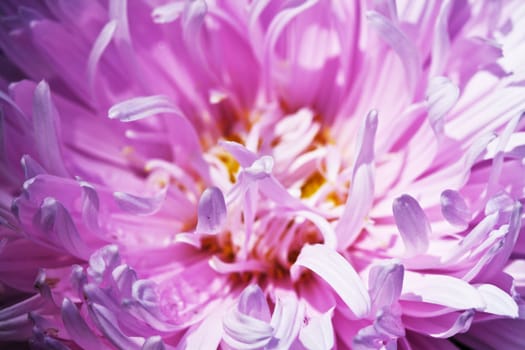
{"type": "Point", "coordinates": [269, 174]}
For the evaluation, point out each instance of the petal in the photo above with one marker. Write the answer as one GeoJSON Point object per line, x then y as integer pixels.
{"type": "Point", "coordinates": [338, 273]}
{"type": "Point", "coordinates": [154, 343]}
{"type": "Point", "coordinates": [454, 208]}
{"type": "Point", "coordinates": [287, 320]}
{"type": "Point", "coordinates": [444, 326]}
{"type": "Point", "coordinates": [168, 12]}
{"type": "Point", "coordinates": [498, 302]}
{"type": "Point", "coordinates": [318, 334]}
{"type": "Point", "coordinates": [31, 167]}
{"type": "Point", "coordinates": [107, 323]}
{"type": "Point", "coordinates": [45, 124]}
{"type": "Point", "coordinates": [441, 290]}
{"type": "Point", "coordinates": [54, 220]}
{"type": "Point", "coordinates": [211, 211]}
{"type": "Point", "coordinates": [361, 196]}
{"type": "Point", "coordinates": [412, 224]}
{"type": "Point", "coordinates": [77, 327]}
{"type": "Point", "coordinates": [142, 107]}
{"type": "Point", "coordinates": [245, 332]}
{"type": "Point", "coordinates": [401, 44]}
{"type": "Point", "coordinates": [99, 46]}
{"type": "Point", "coordinates": [441, 96]}
{"type": "Point", "coordinates": [139, 205]}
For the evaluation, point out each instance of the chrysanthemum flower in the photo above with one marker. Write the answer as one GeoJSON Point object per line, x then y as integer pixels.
{"type": "Point", "coordinates": [262, 174]}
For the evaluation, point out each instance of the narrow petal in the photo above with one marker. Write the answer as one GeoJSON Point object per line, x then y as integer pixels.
{"type": "Point", "coordinates": [99, 46]}
{"type": "Point", "coordinates": [211, 211]}
{"type": "Point", "coordinates": [77, 327]}
{"type": "Point", "coordinates": [45, 124]}
{"type": "Point", "coordinates": [338, 273]}
{"type": "Point", "coordinates": [108, 325]}
{"type": "Point", "coordinates": [31, 167]}
{"type": "Point", "coordinates": [400, 43]}
{"type": "Point", "coordinates": [412, 224]}
{"type": "Point", "coordinates": [361, 196]}
{"type": "Point", "coordinates": [142, 107]}
{"type": "Point", "coordinates": [498, 302]}
{"type": "Point", "coordinates": [441, 96]}
{"type": "Point", "coordinates": [139, 205]}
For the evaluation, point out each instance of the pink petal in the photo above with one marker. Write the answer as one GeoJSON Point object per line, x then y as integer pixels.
{"type": "Point", "coordinates": [412, 224]}
{"type": "Point", "coordinates": [142, 107]}
{"type": "Point", "coordinates": [441, 290]}
{"type": "Point", "coordinates": [318, 333]}
{"type": "Point", "coordinates": [211, 211]}
{"type": "Point", "coordinates": [338, 273]}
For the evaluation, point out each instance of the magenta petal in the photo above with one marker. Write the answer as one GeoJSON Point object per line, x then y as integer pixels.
{"type": "Point", "coordinates": [412, 224]}
{"type": "Point", "coordinates": [142, 107]}
{"type": "Point", "coordinates": [211, 211]}
{"type": "Point", "coordinates": [454, 208]}
{"type": "Point", "coordinates": [45, 123]}
{"type": "Point", "coordinates": [400, 44]}
{"type": "Point", "coordinates": [139, 205]}
{"type": "Point", "coordinates": [31, 167]}
{"type": "Point", "coordinates": [54, 220]}
{"type": "Point", "coordinates": [153, 343]}
{"type": "Point", "coordinates": [338, 273]}
{"type": "Point", "coordinates": [77, 327]}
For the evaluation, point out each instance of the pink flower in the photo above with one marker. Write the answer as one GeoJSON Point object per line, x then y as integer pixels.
{"type": "Point", "coordinates": [263, 174]}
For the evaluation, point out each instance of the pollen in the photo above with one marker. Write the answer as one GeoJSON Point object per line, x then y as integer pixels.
{"type": "Point", "coordinates": [312, 184]}
{"type": "Point", "coordinates": [231, 165]}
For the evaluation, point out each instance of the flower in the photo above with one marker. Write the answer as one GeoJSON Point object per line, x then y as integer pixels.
{"type": "Point", "coordinates": [262, 174]}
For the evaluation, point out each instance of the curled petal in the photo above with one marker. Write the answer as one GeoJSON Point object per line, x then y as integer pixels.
{"type": "Point", "coordinates": [77, 327]}
{"type": "Point", "coordinates": [338, 273]}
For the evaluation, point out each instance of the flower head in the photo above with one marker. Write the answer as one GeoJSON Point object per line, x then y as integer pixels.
{"type": "Point", "coordinates": [262, 174]}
